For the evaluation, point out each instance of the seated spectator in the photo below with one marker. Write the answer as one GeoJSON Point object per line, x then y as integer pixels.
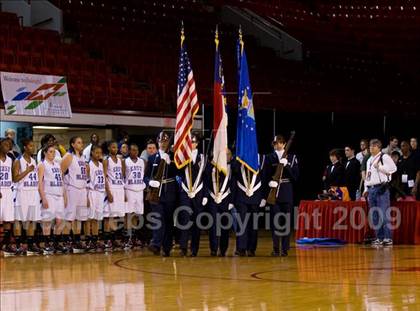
{"type": "Point", "coordinates": [392, 146]}
{"type": "Point", "coordinates": [352, 172]}
{"type": "Point", "coordinates": [334, 173]}
{"type": "Point", "coordinates": [364, 150]}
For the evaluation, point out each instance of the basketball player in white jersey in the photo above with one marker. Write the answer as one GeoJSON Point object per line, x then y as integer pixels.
{"type": "Point", "coordinates": [6, 199]}
{"type": "Point", "coordinates": [75, 182]}
{"type": "Point", "coordinates": [134, 186]}
{"type": "Point", "coordinates": [96, 197]}
{"type": "Point", "coordinates": [54, 199]}
{"type": "Point", "coordinates": [27, 207]}
{"type": "Point", "coordinates": [114, 186]}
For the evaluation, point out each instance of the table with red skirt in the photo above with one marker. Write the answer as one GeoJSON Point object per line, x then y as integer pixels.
{"type": "Point", "coordinates": [349, 221]}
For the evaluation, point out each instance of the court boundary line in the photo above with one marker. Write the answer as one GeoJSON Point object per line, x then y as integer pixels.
{"type": "Point", "coordinates": [254, 276]}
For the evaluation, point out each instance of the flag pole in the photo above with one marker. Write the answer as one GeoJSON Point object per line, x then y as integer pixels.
{"type": "Point", "coordinates": [216, 41]}
{"type": "Point", "coordinates": [189, 163]}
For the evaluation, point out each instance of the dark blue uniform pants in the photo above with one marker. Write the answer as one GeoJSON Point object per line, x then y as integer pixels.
{"type": "Point", "coordinates": [187, 220]}
{"type": "Point", "coordinates": [219, 231]}
{"type": "Point", "coordinates": [163, 231]}
{"type": "Point", "coordinates": [281, 225]}
{"type": "Point", "coordinates": [247, 241]}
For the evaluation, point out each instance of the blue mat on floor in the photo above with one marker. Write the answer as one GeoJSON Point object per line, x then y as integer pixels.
{"type": "Point", "coordinates": [320, 241]}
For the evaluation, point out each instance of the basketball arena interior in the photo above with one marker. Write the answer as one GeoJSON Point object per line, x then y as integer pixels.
{"type": "Point", "coordinates": [209, 155]}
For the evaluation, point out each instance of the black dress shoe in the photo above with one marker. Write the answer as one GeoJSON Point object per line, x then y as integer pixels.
{"type": "Point", "coordinates": [183, 252]}
{"type": "Point", "coordinates": [154, 249]}
{"type": "Point", "coordinates": [251, 254]}
{"type": "Point", "coordinates": [275, 253]}
{"type": "Point", "coordinates": [213, 253]}
{"type": "Point", "coordinates": [193, 255]}
{"type": "Point", "coordinates": [284, 254]}
{"type": "Point", "coordinates": [222, 255]}
{"type": "Point", "coordinates": [240, 253]}
{"type": "Point", "coordinates": [166, 254]}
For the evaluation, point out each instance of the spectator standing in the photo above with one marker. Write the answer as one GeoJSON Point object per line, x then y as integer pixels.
{"type": "Point", "coordinates": [380, 167]}
{"type": "Point", "coordinates": [352, 172]}
{"type": "Point", "coordinates": [364, 150]}
{"type": "Point", "coordinates": [334, 173]}
{"type": "Point", "coordinates": [49, 140]}
{"type": "Point", "coordinates": [94, 140]}
{"type": "Point", "coordinates": [407, 169]}
{"type": "Point", "coordinates": [150, 150]}
{"type": "Point", "coordinates": [11, 134]}
{"type": "Point", "coordinates": [392, 146]}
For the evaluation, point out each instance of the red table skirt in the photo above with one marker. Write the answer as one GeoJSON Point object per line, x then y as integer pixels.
{"type": "Point", "coordinates": [349, 221]}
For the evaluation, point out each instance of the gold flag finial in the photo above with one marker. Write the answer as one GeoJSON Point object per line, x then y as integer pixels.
{"type": "Point", "coordinates": [216, 36]}
{"type": "Point", "coordinates": [182, 33]}
{"type": "Point", "coordinates": [241, 42]}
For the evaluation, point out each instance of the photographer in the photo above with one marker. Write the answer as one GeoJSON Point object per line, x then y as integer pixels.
{"type": "Point", "coordinates": [380, 167]}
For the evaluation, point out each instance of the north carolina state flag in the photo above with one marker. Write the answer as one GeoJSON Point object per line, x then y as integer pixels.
{"type": "Point", "coordinates": [220, 118]}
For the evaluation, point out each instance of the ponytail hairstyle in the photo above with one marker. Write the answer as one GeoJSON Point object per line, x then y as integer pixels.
{"type": "Point", "coordinates": [45, 139]}
{"type": "Point", "coordinates": [45, 150]}
{"type": "Point", "coordinates": [71, 142]}
{"type": "Point", "coordinates": [26, 141]}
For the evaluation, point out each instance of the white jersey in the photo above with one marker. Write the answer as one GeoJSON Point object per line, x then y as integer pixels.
{"type": "Point", "coordinates": [76, 175]}
{"type": "Point", "coordinates": [53, 178]}
{"type": "Point", "coordinates": [97, 177]}
{"type": "Point", "coordinates": [30, 181]}
{"type": "Point", "coordinates": [6, 173]}
{"type": "Point", "coordinates": [134, 172]}
{"type": "Point", "coordinates": [115, 174]}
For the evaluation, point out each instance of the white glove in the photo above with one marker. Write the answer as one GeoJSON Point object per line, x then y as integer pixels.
{"type": "Point", "coordinates": [154, 183]}
{"type": "Point", "coordinates": [284, 162]}
{"type": "Point", "coordinates": [263, 203]}
{"type": "Point", "coordinates": [230, 206]}
{"type": "Point", "coordinates": [165, 156]}
{"type": "Point", "coordinates": [273, 184]}
{"type": "Point", "coordinates": [204, 202]}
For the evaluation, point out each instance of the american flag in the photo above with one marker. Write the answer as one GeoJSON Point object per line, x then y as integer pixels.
{"type": "Point", "coordinates": [187, 107]}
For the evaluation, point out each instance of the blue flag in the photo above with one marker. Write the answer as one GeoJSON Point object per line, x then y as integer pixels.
{"type": "Point", "coordinates": [246, 133]}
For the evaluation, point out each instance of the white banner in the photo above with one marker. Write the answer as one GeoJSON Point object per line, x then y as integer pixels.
{"type": "Point", "coordinates": [35, 95]}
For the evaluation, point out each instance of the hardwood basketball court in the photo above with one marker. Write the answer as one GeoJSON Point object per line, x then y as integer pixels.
{"type": "Point", "coordinates": [352, 277]}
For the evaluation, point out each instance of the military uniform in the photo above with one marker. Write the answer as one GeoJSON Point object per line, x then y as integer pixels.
{"type": "Point", "coordinates": [220, 202]}
{"type": "Point", "coordinates": [192, 191]}
{"type": "Point", "coordinates": [249, 193]}
{"type": "Point", "coordinates": [284, 199]}
{"type": "Point", "coordinates": [162, 235]}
